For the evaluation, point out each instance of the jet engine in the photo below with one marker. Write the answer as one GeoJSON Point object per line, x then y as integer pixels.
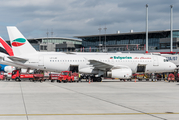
{"type": "Point", "coordinates": [9, 69]}
{"type": "Point", "coordinates": [6, 68]}
{"type": "Point", "coordinates": [123, 73]}
{"type": "Point", "coordinates": [88, 70]}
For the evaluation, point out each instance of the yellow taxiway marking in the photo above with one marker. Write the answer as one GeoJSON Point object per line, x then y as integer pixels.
{"type": "Point", "coordinates": [86, 114]}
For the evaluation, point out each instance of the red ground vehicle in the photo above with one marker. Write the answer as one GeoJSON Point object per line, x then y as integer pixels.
{"type": "Point", "coordinates": [53, 77]}
{"type": "Point", "coordinates": [171, 77]}
{"type": "Point", "coordinates": [67, 76]}
{"type": "Point", "coordinates": [177, 77]}
{"type": "Point", "coordinates": [17, 76]}
{"type": "Point", "coordinates": [2, 76]}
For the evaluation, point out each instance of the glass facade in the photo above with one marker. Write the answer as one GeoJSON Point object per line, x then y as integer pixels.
{"type": "Point", "coordinates": [129, 38]}
{"type": "Point", "coordinates": [60, 40]}
{"type": "Point", "coordinates": [36, 46]}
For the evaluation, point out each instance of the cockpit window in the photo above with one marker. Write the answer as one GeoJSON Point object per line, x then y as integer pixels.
{"type": "Point", "coordinates": [14, 72]}
{"type": "Point", "coordinates": [165, 60]}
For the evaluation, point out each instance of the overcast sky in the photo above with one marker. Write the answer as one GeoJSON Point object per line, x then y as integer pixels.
{"type": "Point", "coordinates": [70, 18]}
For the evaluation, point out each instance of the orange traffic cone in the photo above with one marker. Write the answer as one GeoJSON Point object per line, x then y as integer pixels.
{"type": "Point", "coordinates": [89, 81]}
{"type": "Point", "coordinates": [135, 79]}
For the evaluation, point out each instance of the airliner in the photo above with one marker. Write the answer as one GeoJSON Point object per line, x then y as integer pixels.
{"type": "Point", "coordinates": [114, 65]}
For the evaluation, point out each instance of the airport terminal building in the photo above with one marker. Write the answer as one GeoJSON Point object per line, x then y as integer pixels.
{"type": "Point", "coordinates": [118, 42]}
{"type": "Point", "coordinates": [132, 41]}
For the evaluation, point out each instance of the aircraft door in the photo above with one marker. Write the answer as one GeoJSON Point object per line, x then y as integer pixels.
{"type": "Point", "coordinates": [74, 68]}
{"type": "Point", "coordinates": [41, 61]}
{"type": "Point", "coordinates": [141, 68]}
{"type": "Point", "coordinates": [155, 61]}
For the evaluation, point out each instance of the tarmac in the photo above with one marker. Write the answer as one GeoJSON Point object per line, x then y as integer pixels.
{"type": "Point", "coordinates": [107, 100]}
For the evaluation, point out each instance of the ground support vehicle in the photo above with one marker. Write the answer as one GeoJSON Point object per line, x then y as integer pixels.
{"type": "Point", "coordinates": [46, 75]}
{"type": "Point", "coordinates": [92, 78]}
{"type": "Point", "coordinates": [159, 77]}
{"type": "Point", "coordinates": [68, 76]}
{"type": "Point", "coordinates": [18, 76]}
{"type": "Point", "coordinates": [53, 77]}
{"type": "Point", "coordinates": [76, 77]}
{"type": "Point", "coordinates": [140, 77]}
{"type": "Point", "coordinates": [2, 76]}
{"type": "Point", "coordinates": [95, 79]}
{"type": "Point", "coordinates": [171, 77]}
{"type": "Point", "coordinates": [177, 77]}
{"type": "Point", "coordinates": [8, 76]}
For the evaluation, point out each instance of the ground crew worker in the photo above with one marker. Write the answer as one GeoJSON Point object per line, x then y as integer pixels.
{"type": "Point", "coordinates": [79, 77]}
{"type": "Point", "coordinates": [153, 77]}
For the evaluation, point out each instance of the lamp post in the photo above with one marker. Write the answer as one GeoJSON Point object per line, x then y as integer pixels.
{"type": "Point", "coordinates": [171, 28]}
{"type": "Point", "coordinates": [105, 37]}
{"type": "Point", "coordinates": [99, 39]}
{"type": "Point", "coordinates": [146, 29]}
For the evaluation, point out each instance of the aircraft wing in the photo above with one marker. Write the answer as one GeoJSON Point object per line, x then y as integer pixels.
{"type": "Point", "coordinates": [13, 61]}
{"type": "Point", "coordinates": [100, 65]}
{"type": "Point", "coordinates": [104, 66]}
{"type": "Point", "coordinates": [17, 64]}
{"type": "Point", "coordinates": [10, 63]}
{"type": "Point", "coordinates": [17, 59]}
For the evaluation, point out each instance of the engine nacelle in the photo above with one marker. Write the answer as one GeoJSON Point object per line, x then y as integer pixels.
{"type": "Point", "coordinates": [9, 69]}
{"type": "Point", "coordinates": [123, 73]}
{"type": "Point", "coordinates": [88, 70]}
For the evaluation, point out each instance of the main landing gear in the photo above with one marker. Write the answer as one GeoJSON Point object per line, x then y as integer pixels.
{"type": "Point", "coordinates": [96, 79]}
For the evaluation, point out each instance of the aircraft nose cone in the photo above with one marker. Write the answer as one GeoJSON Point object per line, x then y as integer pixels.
{"type": "Point", "coordinates": [172, 66]}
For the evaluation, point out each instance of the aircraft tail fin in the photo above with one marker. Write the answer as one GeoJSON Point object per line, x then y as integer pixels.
{"type": "Point", "coordinates": [6, 47]}
{"type": "Point", "coordinates": [19, 43]}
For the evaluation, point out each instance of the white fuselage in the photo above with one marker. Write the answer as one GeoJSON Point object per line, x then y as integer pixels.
{"type": "Point", "coordinates": [58, 62]}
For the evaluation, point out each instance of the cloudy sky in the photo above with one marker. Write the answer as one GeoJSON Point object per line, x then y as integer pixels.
{"type": "Point", "coordinates": [70, 18]}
